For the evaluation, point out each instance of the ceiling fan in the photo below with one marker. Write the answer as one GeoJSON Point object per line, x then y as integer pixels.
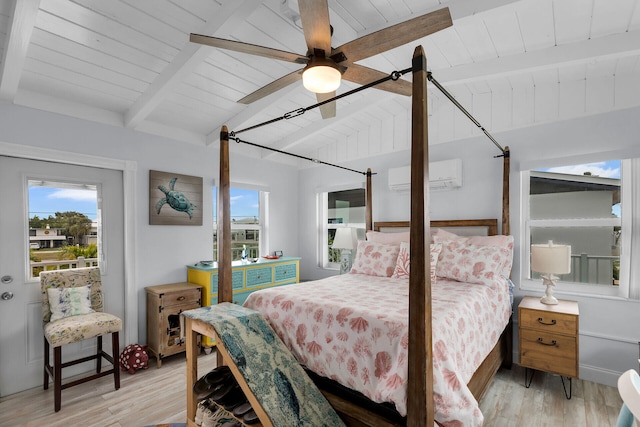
{"type": "Point", "coordinates": [329, 65]}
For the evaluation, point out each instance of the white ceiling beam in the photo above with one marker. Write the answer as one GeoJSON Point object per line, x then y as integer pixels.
{"type": "Point", "coordinates": [228, 17]}
{"type": "Point", "coordinates": [603, 48]}
{"type": "Point", "coordinates": [457, 8]}
{"type": "Point", "coordinates": [16, 45]}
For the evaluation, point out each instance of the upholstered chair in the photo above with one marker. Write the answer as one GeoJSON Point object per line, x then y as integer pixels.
{"type": "Point", "coordinates": [72, 309]}
{"type": "Point", "coordinates": [629, 389]}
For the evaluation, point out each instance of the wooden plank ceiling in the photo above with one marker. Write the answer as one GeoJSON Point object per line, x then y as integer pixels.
{"type": "Point", "coordinates": [129, 63]}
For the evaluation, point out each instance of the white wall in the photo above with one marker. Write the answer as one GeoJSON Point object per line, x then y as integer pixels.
{"type": "Point", "coordinates": [162, 252]}
{"type": "Point", "coordinates": [609, 328]}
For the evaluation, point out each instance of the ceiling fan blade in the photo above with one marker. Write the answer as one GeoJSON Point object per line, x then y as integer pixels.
{"type": "Point", "coordinates": [364, 75]}
{"type": "Point", "coordinates": [272, 87]}
{"type": "Point", "coordinates": [315, 24]}
{"type": "Point", "coordinates": [252, 49]}
{"type": "Point", "coordinates": [327, 110]}
{"type": "Point", "coordinates": [394, 36]}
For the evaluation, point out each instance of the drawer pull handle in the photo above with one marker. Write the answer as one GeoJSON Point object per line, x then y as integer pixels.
{"type": "Point", "coordinates": [553, 322]}
{"type": "Point", "coordinates": [181, 298]}
{"type": "Point", "coordinates": [552, 343]}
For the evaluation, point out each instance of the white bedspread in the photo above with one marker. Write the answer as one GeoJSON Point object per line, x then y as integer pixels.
{"type": "Point", "coordinates": [353, 329]}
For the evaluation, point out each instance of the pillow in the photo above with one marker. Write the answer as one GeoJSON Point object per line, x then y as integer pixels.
{"type": "Point", "coordinates": [402, 264]}
{"type": "Point", "coordinates": [472, 264]}
{"type": "Point", "coordinates": [387, 238]}
{"type": "Point", "coordinates": [497, 240]}
{"type": "Point", "coordinates": [375, 259]}
{"type": "Point", "coordinates": [452, 241]}
{"type": "Point", "coordinates": [65, 302]}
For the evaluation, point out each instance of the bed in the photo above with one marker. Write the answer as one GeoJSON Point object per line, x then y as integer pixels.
{"type": "Point", "coordinates": [352, 329]}
{"type": "Point", "coordinates": [356, 409]}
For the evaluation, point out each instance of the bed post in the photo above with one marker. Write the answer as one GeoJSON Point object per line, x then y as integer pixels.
{"type": "Point", "coordinates": [369, 202]}
{"type": "Point", "coordinates": [224, 222]}
{"type": "Point", "coordinates": [420, 407]}
{"type": "Point", "coordinates": [224, 225]}
{"type": "Point", "coordinates": [506, 167]}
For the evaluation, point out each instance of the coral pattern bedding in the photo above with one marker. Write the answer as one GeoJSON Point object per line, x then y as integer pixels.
{"type": "Point", "coordinates": [353, 329]}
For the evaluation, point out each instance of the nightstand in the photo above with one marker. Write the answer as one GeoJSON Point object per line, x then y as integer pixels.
{"type": "Point", "coordinates": [164, 305]}
{"type": "Point", "coordinates": [548, 339]}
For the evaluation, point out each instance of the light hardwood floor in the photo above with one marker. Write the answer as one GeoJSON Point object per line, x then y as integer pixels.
{"type": "Point", "coordinates": [156, 396]}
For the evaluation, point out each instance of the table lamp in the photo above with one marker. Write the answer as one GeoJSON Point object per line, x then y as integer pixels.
{"type": "Point", "coordinates": [345, 239]}
{"type": "Point", "coordinates": [550, 259]}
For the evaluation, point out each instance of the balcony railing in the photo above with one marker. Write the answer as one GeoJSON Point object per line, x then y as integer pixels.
{"type": "Point", "coordinates": [64, 264]}
{"type": "Point", "coordinates": [596, 269]}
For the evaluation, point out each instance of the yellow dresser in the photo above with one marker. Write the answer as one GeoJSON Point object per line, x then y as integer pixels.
{"type": "Point", "coordinates": [246, 278]}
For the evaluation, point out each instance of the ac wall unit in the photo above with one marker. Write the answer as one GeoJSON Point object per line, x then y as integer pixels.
{"type": "Point", "coordinates": [442, 175]}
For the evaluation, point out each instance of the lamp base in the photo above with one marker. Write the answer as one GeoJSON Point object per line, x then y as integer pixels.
{"type": "Point", "coordinates": [345, 261]}
{"type": "Point", "coordinates": [550, 281]}
{"type": "Point", "coordinates": [549, 300]}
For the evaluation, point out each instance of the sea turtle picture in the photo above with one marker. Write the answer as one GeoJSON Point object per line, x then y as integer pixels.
{"type": "Point", "coordinates": [175, 199]}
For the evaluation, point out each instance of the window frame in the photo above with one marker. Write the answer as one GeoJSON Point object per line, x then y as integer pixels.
{"type": "Point", "coordinates": [263, 215]}
{"type": "Point", "coordinates": [322, 203]}
{"type": "Point", "coordinates": [527, 283]}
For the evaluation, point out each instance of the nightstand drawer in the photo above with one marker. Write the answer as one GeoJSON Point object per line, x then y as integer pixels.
{"type": "Point", "coordinates": [548, 321]}
{"type": "Point", "coordinates": [182, 297]}
{"type": "Point", "coordinates": [549, 352]}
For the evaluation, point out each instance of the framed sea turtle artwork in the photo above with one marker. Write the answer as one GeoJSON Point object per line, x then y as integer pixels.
{"type": "Point", "coordinates": [174, 199]}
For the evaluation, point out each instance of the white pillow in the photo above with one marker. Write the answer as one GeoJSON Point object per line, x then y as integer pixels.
{"type": "Point", "coordinates": [65, 302]}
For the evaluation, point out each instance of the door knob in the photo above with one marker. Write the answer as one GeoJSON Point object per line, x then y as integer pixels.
{"type": "Point", "coordinates": [6, 279]}
{"type": "Point", "coordinates": [6, 296]}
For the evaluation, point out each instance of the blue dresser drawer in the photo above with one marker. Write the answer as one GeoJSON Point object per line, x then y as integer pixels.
{"type": "Point", "coordinates": [258, 276]}
{"type": "Point", "coordinates": [237, 281]}
{"type": "Point", "coordinates": [285, 272]}
{"type": "Point", "coordinates": [240, 297]}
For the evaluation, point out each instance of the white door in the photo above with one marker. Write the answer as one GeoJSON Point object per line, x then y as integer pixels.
{"type": "Point", "coordinates": [21, 337]}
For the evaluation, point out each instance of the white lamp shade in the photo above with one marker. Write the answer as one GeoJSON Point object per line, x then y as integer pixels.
{"type": "Point", "coordinates": [321, 78]}
{"type": "Point", "coordinates": [345, 238]}
{"type": "Point", "coordinates": [550, 258]}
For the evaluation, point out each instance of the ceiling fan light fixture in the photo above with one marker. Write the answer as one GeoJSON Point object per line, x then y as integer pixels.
{"type": "Point", "coordinates": [321, 75]}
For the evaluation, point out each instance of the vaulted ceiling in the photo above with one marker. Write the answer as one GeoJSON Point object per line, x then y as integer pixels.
{"type": "Point", "coordinates": [129, 63]}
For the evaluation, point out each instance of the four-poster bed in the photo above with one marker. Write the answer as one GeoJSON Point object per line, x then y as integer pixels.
{"type": "Point", "coordinates": [420, 375]}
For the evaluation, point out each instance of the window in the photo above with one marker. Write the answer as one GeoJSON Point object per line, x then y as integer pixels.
{"type": "Point", "coordinates": [248, 222]}
{"type": "Point", "coordinates": [579, 205]}
{"type": "Point", "coordinates": [345, 208]}
{"type": "Point", "coordinates": [63, 225]}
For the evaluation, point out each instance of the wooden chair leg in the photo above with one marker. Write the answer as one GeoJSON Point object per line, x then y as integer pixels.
{"type": "Point", "coordinates": [46, 364]}
{"type": "Point", "coordinates": [99, 355]}
{"type": "Point", "coordinates": [57, 378]}
{"type": "Point", "coordinates": [115, 345]}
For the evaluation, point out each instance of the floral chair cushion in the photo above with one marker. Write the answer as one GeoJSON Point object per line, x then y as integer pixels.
{"type": "Point", "coordinates": [81, 327]}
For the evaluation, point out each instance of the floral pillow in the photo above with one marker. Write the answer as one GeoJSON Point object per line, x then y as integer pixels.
{"type": "Point", "coordinates": [402, 264]}
{"type": "Point", "coordinates": [452, 241]}
{"type": "Point", "coordinates": [472, 264]}
{"type": "Point", "coordinates": [375, 259]}
{"type": "Point", "coordinates": [65, 302]}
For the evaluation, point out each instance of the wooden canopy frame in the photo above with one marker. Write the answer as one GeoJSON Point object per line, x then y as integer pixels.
{"type": "Point", "coordinates": [420, 403]}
